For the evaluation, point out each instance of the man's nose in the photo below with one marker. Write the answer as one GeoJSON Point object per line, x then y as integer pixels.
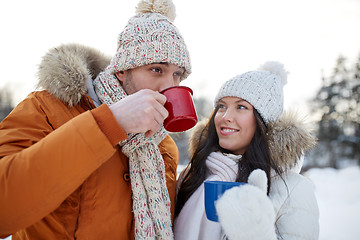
{"type": "Point", "coordinates": [167, 81]}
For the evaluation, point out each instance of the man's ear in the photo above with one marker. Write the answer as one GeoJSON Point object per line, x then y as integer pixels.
{"type": "Point", "coordinates": [120, 76]}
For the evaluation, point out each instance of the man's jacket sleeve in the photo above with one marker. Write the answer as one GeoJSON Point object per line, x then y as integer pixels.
{"type": "Point", "coordinates": [40, 166]}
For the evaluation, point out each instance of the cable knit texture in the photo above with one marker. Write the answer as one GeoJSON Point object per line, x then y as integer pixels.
{"type": "Point", "coordinates": [262, 88]}
{"type": "Point", "coordinates": [151, 37]}
{"type": "Point", "coordinates": [151, 202]}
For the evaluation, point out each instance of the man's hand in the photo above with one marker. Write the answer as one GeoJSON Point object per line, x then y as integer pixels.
{"type": "Point", "coordinates": [141, 112]}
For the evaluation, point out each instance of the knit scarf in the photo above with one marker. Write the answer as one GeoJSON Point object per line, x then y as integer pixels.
{"type": "Point", "coordinates": [192, 222]}
{"type": "Point", "coordinates": [151, 202]}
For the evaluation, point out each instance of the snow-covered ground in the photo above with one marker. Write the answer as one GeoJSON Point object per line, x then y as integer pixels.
{"type": "Point", "coordinates": [338, 195]}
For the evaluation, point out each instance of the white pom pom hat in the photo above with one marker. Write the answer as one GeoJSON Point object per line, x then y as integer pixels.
{"type": "Point", "coordinates": [262, 88]}
{"type": "Point", "coordinates": [151, 37]}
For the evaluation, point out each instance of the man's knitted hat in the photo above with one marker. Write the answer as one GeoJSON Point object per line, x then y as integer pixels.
{"type": "Point", "coordinates": [150, 37]}
{"type": "Point", "coordinates": [262, 88]}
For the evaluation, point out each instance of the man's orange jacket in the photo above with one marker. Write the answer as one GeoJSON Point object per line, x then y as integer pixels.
{"type": "Point", "coordinates": [62, 173]}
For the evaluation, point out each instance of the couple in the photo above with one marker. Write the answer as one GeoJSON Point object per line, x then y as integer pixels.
{"type": "Point", "coordinates": [87, 157]}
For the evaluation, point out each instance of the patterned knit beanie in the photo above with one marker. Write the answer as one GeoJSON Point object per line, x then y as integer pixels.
{"type": "Point", "coordinates": [150, 37]}
{"type": "Point", "coordinates": [262, 88]}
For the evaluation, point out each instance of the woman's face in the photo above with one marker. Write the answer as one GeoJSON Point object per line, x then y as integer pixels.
{"type": "Point", "coordinates": [235, 124]}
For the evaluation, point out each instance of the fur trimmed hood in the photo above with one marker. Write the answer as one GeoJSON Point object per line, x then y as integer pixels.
{"type": "Point", "coordinates": [64, 71]}
{"type": "Point", "coordinates": [289, 139]}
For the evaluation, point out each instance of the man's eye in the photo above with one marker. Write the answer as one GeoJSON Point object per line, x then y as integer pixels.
{"type": "Point", "coordinates": [178, 74]}
{"type": "Point", "coordinates": [156, 69]}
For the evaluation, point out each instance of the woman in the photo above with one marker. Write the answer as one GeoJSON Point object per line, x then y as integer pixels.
{"type": "Point", "coordinates": [249, 139]}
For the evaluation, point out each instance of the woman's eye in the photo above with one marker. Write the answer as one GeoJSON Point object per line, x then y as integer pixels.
{"type": "Point", "coordinates": [221, 106]}
{"type": "Point", "coordinates": [242, 107]}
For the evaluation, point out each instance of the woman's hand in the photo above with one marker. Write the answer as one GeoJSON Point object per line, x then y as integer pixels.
{"type": "Point", "coordinates": [246, 212]}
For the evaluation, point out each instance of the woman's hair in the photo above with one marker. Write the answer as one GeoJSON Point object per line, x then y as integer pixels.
{"type": "Point", "coordinates": [257, 156]}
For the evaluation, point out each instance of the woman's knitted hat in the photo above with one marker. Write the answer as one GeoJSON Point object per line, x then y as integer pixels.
{"type": "Point", "coordinates": [262, 88]}
{"type": "Point", "coordinates": [150, 37]}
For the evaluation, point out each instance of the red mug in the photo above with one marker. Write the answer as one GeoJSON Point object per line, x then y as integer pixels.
{"type": "Point", "coordinates": [180, 105]}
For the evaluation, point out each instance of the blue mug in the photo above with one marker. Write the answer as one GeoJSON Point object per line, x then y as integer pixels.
{"type": "Point", "coordinates": [213, 191]}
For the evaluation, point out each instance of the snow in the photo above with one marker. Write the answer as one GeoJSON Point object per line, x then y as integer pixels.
{"type": "Point", "coordinates": [338, 195]}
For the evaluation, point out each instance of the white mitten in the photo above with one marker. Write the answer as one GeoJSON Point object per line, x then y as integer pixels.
{"type": "Point", "coordinates": [246, 212]}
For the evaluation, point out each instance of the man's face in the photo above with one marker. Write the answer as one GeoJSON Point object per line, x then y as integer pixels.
{"type": "Point", "coordinates": [157, 77]}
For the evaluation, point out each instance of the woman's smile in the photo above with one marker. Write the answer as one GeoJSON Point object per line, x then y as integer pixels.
{"type": "Point", "coordinates": [228, 131]}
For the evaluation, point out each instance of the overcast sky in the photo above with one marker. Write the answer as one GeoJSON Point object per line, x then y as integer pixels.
{"type": "Point", "coordinates": [224, 38]}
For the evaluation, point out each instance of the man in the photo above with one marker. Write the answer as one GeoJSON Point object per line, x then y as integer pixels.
{"type": "Point", "coordinates": [87, 157]}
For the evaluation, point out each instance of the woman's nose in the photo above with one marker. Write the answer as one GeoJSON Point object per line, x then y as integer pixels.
{"type": "Point", "coordinates": [228, 115]}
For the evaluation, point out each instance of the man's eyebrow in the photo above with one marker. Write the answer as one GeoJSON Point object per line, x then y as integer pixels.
{"type": "Point", "coordinates": [167, 64]}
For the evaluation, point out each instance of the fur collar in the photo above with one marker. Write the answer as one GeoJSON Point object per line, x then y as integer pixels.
{"type": "Point", "coordinates": [289, 139]}
{"type": "Point", "coordinates": [64, 70]}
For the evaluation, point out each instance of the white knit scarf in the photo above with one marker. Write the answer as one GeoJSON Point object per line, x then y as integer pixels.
{"type": "Point", "coordinates": [151, 202]}
{"type": "Point", "coordinates": [192, 222]}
